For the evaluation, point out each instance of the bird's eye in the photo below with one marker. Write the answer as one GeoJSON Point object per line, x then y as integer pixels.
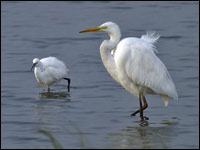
{"type": "Point", "coordinates": [104, 27]}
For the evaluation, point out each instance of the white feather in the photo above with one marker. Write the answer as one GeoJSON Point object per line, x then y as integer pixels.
{"type": "Point", "coordinates": [150, 37]}
{"type": "Point", "coordinates": [49, 70]}
{"type": "Point", "coordinates": [133, 63]}
{"type": "Point", "coordinates": [143, 70]}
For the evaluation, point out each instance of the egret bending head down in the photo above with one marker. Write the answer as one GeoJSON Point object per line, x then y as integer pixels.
{"type": "Point", "coordinates": [50, 70]}
{"type": "Point", "coordinates": [132, 63]}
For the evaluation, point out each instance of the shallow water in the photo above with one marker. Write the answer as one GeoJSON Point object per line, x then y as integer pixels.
{"type": "Point", "coordinates": [96, 112]}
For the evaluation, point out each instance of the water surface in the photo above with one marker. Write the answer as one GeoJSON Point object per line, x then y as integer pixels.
{"type": "Point", "coordinates": [96, 112]}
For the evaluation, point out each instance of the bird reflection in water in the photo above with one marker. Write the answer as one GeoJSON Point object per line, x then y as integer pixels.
{"type": "Point", "coordinates": [54, 95]}
{"type": "Point", "coordinates": [156, 135]}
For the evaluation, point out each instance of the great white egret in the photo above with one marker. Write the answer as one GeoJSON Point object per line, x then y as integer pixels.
{"type": "Point", "coordinates": [132, 63]}
{"type": "Point", "coordinates": [50, 70]}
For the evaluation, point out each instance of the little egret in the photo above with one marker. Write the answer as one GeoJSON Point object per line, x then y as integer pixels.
{"type": "Point", "coordinates": [50, 70]}
{"type": "Point", "coordinates": [132, 63]}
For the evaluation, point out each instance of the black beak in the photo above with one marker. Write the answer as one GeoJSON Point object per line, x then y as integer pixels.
{"type": "Point", "coordinates": [33, 66]}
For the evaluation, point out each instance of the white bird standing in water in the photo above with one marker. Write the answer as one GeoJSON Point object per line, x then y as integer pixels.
{"type": "Point", "coordinates": [50, 70]}
{"type": "Point", "coordinates": [132, 63]}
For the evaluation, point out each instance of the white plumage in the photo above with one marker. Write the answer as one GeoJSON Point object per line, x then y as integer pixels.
{"type": "Point", "coordinates": [132, 62]}
{"type": "Point", "coordinates": [136, 61]}
{"type": "Point", "coordinates": [50, 70]}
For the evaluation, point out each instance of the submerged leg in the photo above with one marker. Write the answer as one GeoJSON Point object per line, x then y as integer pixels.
{"type": "Point", "coordinates": [143, 107]}
{"type": "Point", "coordinates": [68, 79]}
{"type": "Point", "coordinates": [48, 89]}
{"type": "Point", "coordinates": [141, 110]}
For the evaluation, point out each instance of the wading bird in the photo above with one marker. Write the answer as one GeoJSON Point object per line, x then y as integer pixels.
{"type": "Point", "coordinates": [50, 70]}
{"type": "Point", "coordinates": [132, 63]}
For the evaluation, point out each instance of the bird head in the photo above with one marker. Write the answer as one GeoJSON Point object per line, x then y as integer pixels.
{"type": "Point", "coordinates": [35, 63]}
{"type": "Point", "coordinates": [108, 27]}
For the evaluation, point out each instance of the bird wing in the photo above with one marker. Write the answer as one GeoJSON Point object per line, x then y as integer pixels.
{"type": "Point", "coordinates": [144, 68]}
{"type": "Point", "coordinates": [54, 68]}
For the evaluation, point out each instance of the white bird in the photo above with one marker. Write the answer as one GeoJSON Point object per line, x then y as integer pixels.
{"type": "Point", "coordinates": [50, 70]}
{"type": "Point", "coordinates": [132, 63]}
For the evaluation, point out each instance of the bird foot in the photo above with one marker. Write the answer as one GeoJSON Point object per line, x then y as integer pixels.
{"type": "Point", "coordinates": [133, 114]}
{"type": "Point", "coordinates": [144, 123]}
{"type": "Point", "coordinates": [144, 118]}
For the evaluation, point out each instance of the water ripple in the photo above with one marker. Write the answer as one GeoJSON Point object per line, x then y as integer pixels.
{"type": "Point", "coordinates": [173, 37]}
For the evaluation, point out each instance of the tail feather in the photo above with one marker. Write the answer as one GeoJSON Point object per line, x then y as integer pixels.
{"type": "Point", "coordinates": [150, 37]}
{"type": "Point", "coordinates": [165, 99]}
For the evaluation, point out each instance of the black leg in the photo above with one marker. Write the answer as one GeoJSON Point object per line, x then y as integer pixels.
{"type": "Point", "coordinates": [68, 79]}
{"type": "Point", "coordinates": [143, 107]}
{"type": "Point", "coordinates": [133, 114]}
{"type": "Point", "coordinates": [48, 89]}
{"type": "Point", "coordinates": [141, 110]}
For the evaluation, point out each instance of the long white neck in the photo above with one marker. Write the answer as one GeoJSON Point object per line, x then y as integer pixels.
{"type": "Point", "coordinates": [105, 50]}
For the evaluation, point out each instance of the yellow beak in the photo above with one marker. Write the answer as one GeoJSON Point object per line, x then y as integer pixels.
{"type": "Point", "coordinates": [93, 29]}
{"type": "Point", "coordinates": [90, 29]}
